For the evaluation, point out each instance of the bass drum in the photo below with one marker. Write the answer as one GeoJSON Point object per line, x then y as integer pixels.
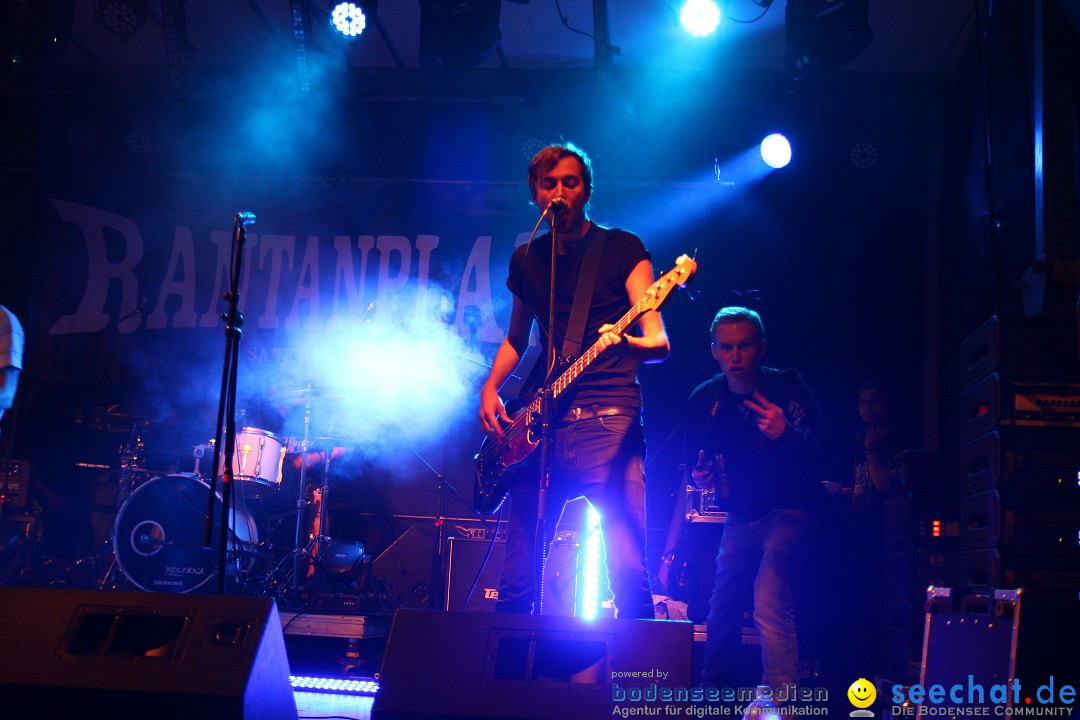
{"type": "Point", "coordinates": [158, 536]}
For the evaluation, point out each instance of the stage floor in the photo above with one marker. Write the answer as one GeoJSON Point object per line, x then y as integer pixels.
{"type": "Point", "coordinates": [324, 705]}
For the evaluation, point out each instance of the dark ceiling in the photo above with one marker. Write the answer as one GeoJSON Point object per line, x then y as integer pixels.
{"type": "Point", "coordinates": [181, 42]}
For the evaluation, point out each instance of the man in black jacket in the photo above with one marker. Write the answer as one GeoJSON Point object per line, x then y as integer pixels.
{"type": "Point", "coordinates": [753, 437]}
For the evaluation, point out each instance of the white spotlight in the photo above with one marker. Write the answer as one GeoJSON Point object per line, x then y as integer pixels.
{"type": "Point", "coordinates": [776, 151]}
{"type": "Point", "coordinates": [348, 18]}
{"type": "Point", "coordinates": [699, 17]}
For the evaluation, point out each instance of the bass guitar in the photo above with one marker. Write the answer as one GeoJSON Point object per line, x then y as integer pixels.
{"type": "Point", "coordinates": [499, 458]}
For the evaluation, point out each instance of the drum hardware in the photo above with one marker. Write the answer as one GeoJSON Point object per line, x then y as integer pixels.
{"type": "Point", "coordinates": [158, 536]}
{"type": "Point", "coordinates": [304, 396]}
{"type": "Point", "coordinates": [118, 418]}
{"type": "Point", "coordinates": [101, 563]}
{"type": "Point", "coordinates": [279, 581]}
{"type": "Point", "coordinates": [199, 451]}
{"type": "Point", "coordinates": [131, 454]}
{"type": "Point", "coordinates": [131, 458]}
{"type": "Point", "coordinates": [442, 487]}
{"type": "Point", "coordinates": [155, 541]}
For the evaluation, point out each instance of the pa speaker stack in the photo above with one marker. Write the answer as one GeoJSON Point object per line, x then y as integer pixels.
{"type": "Point", "coordinates": [65, 653]}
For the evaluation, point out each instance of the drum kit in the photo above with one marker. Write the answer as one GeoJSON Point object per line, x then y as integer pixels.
{"type": "Point", "coordinates": [156, 541]}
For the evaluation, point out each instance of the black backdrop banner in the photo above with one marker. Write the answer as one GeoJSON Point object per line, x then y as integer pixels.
{"type": "Point", "coordinates": [386, 298]}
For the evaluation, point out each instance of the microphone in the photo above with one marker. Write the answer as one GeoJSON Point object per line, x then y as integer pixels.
{"type": "Point", "coordinates": [558, 206]}
{"type": "Point", "coordinates": [245, 218]}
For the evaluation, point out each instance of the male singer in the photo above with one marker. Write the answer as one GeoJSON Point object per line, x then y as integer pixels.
{"type": "Point", "coordinates": [599, 445]}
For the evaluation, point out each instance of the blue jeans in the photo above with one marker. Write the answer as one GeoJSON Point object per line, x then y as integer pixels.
{"type": "Point", "coordinates": [756, 562]}
{"type": "Point", "coordinates": [603, 460]}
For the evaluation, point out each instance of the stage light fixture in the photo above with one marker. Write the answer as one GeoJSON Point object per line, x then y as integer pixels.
{"type": "Point", "coordinates": [138, 142]}
{"type": "Point", "coordinates": [863, 155]}
{"type": "Point", "coordinates": [823, 35]}
{"type": "Point", "coordinates": [121, 18]}
{"type": "Point", "coordinates": [337, 686]}
{"type": "Point", "coordinates": [457, 35]}
{"type": "Point", "coordinates": [700, 17]}
{"type": "Point", "coordinates": [776, 151]}
{"type": "Point", "coordinates": [350, 19]}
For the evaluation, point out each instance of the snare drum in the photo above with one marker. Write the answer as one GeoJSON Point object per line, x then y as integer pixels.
{"type": "Point", "coordinates": [158, 538]}
{"type": "Point", "coordinates": [257, 459]}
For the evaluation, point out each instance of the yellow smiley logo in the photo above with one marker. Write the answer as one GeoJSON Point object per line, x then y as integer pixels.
{"type": "Point", "coordinates": [862, 693]}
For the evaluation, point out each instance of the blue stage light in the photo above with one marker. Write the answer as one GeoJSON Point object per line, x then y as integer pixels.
{"type": "Point", "coordinates": [343, 686]}
{"type": "Point", "coordinates": [699, 17]}
{"type": "Point", "coordinates": [593, 566]}
{"type": "Point", "coordinates": [348, 18]}
{"type": "Point", "coordinates": [776, 150]}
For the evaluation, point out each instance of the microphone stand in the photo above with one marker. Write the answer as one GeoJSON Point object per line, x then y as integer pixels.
{"type": "Point", "coordinates": [226, 418]}
{"type": "Point", "coordinates": [547, 439]}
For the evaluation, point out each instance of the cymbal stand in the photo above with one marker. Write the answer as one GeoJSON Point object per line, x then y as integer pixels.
{"type": "Point", "coordinates": [442, 486]}
{"type": "Point", "coordinates": [319, 539]}
{"type": "Point", "coordinates": [301, 503]}
{"type": "Point", "coordinates": [130, 457]}
{"type": "Point", "coordinates": [275, 583]}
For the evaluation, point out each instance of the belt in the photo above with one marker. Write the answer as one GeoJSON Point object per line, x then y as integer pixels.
{"type": "Point", "coordinates": [591, 412]}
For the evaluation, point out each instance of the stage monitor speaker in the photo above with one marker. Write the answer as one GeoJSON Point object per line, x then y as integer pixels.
{"type": "Point", "coordinates": [406, 567]}
{"type": "Point", "coordinates": [494, 665]}
{"type": "Point", "coordinates": [465, 561]}
{"type": "Point", "coordinates": [66, 653]}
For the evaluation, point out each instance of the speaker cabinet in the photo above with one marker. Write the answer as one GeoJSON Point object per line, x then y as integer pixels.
{"type": "Point", "coordinates": [65, 653]}
{"type": "Point", "coordinates": [406, 567]}
{"type": "Point", "coordinates": [495, 665]}
{"type": "Point", "coordinates": [465, 561]}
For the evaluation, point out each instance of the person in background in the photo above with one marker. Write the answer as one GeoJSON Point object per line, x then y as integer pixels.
{"type": "Point", "coordinates": [855, 533]}
{"type": "Point", "coordinates": [753, 435]}
{"type": "Point", "coordinates": [877, 441]}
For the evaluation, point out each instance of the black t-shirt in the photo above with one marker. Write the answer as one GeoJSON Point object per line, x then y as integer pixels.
{"type": "Point", "coordinates": [611, 379]}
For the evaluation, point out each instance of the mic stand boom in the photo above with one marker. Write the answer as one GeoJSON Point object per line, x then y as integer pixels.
{"type": "Point", "coordinates": [547, 439]}
{"type": "Point", "coordinates": [226, 418]}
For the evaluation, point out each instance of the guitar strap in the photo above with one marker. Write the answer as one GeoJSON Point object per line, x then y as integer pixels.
{"type": "Point", "coordinates": [579, 312]}
{"type": "Point", "coordinates": [575, 328]}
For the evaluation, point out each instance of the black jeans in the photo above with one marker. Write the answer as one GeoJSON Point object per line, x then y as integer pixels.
{"type": "Point", "coordinates": [601, 459]}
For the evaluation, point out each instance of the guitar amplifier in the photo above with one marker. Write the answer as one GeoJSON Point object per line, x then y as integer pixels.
{"type": "Point", "coordinates": [14, 483]}
{"type": "Point", "coordinates": [465, 565]}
